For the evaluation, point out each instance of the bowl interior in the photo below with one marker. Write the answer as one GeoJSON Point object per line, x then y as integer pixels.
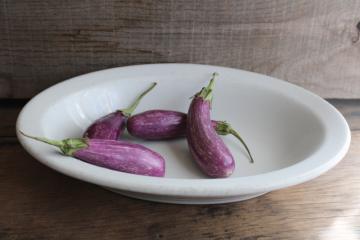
{"type": "Point", "coordinates": [279, 130]}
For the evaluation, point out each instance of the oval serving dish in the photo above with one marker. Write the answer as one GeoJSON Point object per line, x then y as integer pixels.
{"type": "Point", "coordinates": [294, 135]}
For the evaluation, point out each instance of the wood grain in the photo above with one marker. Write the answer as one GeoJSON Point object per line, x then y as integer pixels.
{"type": "Point", "coordinates": [306, 42]}
{"type": "Point", "coordinates": [351, 111]}
{"type": "Point", "coordinates": [38, 203]}
{"type": "Point", "coordinates": [9, 110]}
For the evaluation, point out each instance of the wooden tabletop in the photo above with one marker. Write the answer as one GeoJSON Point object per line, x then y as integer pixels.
{"type": "Point", "coordinates": [37, 203]}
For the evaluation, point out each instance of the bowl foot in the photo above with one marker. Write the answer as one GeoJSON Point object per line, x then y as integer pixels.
{"type": "Point", "coordinates": [186, 200]}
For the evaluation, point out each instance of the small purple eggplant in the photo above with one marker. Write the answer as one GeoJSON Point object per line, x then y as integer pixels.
{"type": "Point", "coordinates": [206, 147]}
{"type": "Point", "coordinates": [112, 125]}
{"type": "Point", "coordinates": [116, 155]}
{"type": "Point", "coordinates": [157, 125]}
{"type": "Point", "coordinates": [167, 124]}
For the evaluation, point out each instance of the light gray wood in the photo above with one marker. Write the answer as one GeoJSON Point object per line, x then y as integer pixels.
{"type": "Point", "coordinates": [306, 42]}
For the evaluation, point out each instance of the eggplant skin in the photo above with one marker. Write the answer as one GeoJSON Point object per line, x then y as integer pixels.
{"type": "Point", "coordinates": [122, 156]}
{"type": "Point", "coordinates": [157, 125]}
{"type": "Point", "coordinates": [206, 147]}
{"type": "Point", "coordinates": [110, 126]}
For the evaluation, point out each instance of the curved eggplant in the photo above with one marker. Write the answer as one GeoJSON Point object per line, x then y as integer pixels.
{"type": "Point", "coordinates": [113, 125]}
{"type": "Point", "coordinates": [206, 147]}
{"type": "Point", "coordinates": [116, 155]}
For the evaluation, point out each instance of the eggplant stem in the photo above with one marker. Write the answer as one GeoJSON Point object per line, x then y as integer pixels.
{"type": "Point", "coordinates": [237, 135]}
{"type": "Point", "coordinates": [128, 111]}
{"type": "Point", "coordinates": [68, 146]}
{"type": "Point", "coordinates": [212, 81]}
{"type": "Point", "coordinates": [56, 143]}
{"type": "Point", "coordinates": [206, 92]}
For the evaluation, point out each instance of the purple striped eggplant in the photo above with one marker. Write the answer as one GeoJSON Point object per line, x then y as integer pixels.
{"type": "Point", "coordinates": [157, 125]}
{"type": "Point", "coordinates": [205, 145]}
{"type": "Point", "coordinates": [112, 154]}
{"type": "Point", "coordinates": [113, 125]}
{"type": "Point", "coordinates": [167, 124]}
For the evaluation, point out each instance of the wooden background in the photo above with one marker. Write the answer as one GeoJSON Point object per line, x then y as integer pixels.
{"type": "Point", "coordinates": [307, 42]}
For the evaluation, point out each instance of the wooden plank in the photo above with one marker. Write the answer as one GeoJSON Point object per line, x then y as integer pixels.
{"type": "Point", "coordinates": [350, 110]}
{"type": "Point", "coordinates": [306, 42]}
{"type": "Point", "coordinates": [38, 203]}
{"type": "Point", "coordinates": [9, 110]}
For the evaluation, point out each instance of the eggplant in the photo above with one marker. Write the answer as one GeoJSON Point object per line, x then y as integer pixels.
{"type": "Point", "coordinates": [157, 125]}
{"type": "Point", "coordinates": [205, 145]}
{"type": "Point", "coordinates": [113, 125]}
{"type": "Point", "coordinates": [112, 154]}
{"type": "Point", "coordinates": [167, 124]}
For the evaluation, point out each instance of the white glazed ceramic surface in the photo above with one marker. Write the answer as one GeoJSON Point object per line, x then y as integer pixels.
{"type": "Point", "coordinates": [293, 134]}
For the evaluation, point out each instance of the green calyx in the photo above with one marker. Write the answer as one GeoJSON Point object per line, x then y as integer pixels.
{"type": "Point", "coordinates": [224, 128]}
{"type": "Point", "coordinates": [67, 146]}
{"type": "Point", "coordinates": [71, 145]}
{"type": "Point", "coordinates": [206, 92]}
{"type": "Point", "coordinates": [128, 111]}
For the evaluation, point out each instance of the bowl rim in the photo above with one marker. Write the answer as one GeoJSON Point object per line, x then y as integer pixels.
{"type": "Point", "coordinates": [327, 156]}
